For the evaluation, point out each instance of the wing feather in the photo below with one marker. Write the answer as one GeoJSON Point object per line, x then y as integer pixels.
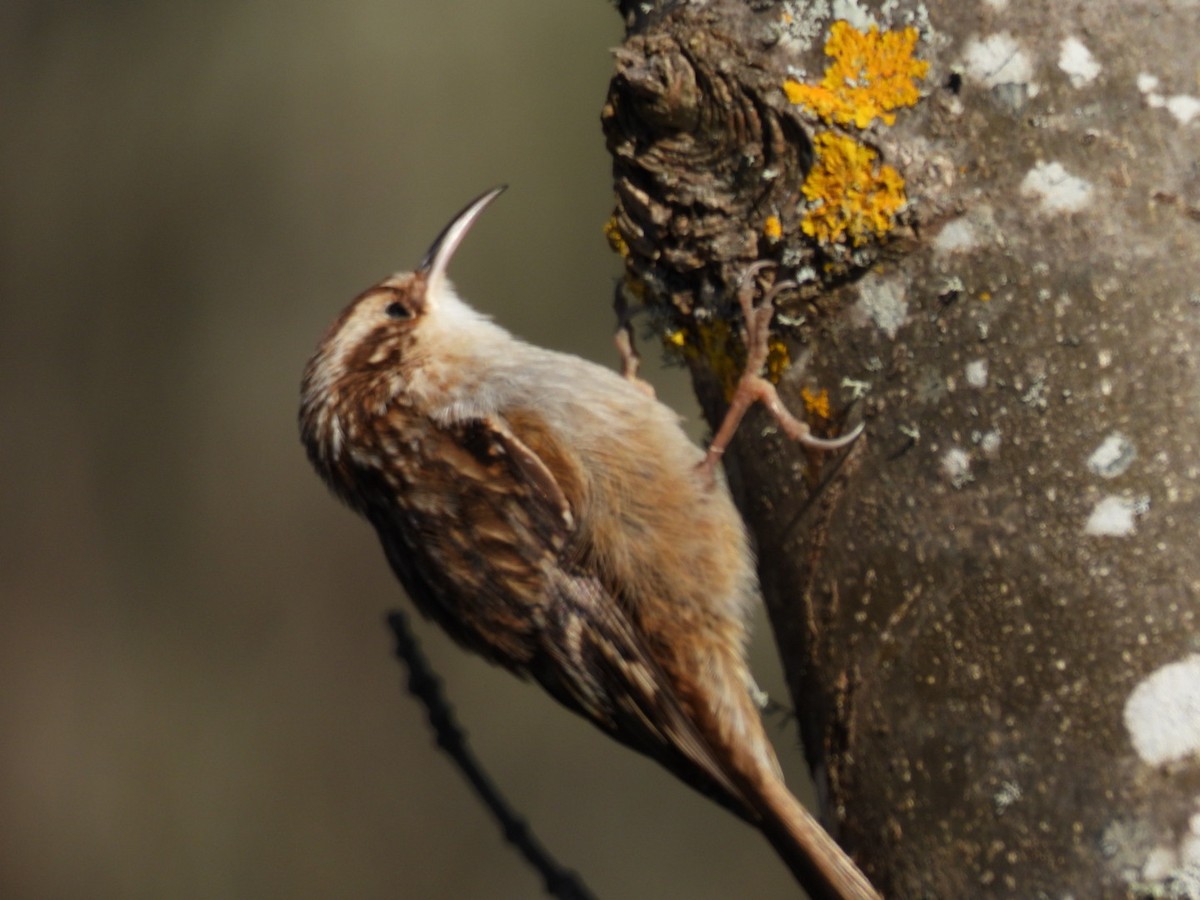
{"type": "Point", "coordinates": [512, 567]}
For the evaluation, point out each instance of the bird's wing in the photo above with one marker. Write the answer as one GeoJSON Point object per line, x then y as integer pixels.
{"type": "Point", "coordinates": [517, 546]}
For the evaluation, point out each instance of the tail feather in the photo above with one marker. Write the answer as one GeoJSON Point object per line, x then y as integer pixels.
{"type": "Point", "coordinates": [813, 856]}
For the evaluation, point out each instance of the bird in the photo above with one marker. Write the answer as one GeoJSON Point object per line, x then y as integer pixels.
{"type": "Point", "coordinates": [553, 517]}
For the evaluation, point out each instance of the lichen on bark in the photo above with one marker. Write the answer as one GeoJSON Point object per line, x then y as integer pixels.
{"type": "Point", "coordinates": [967, 606]}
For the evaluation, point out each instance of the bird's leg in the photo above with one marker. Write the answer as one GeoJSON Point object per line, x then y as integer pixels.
{"type": "Point", "coordinates": [753, 388]}
{"type": "Point", "coordinates": [631, 360]}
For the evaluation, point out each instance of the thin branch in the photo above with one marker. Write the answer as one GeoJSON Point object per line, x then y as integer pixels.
{"type": "Point", "coordinates": [427, 688]}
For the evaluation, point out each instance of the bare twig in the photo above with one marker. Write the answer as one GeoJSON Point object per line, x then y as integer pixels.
{"type": "Point", "coordinates": [427, 688]}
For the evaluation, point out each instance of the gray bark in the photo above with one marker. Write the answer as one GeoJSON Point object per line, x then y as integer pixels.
{"type": "Point", "coordinates": [987, 609]}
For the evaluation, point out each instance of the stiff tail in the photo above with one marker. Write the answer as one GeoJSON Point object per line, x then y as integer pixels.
{"type": "Point", "coordinates": [734, 730]}
{"type": "Point", "coordinates": [815, 859]}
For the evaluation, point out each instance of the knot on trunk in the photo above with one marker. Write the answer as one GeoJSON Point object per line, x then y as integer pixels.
{"type": "Point", "coordinates": [707, 169]}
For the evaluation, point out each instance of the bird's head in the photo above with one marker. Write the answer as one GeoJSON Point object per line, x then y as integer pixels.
{"type": "Point", "coordinates": [382, 343]}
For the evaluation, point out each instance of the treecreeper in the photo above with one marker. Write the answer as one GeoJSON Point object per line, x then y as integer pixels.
{"type": "Point", "coordinates": [553, 517]}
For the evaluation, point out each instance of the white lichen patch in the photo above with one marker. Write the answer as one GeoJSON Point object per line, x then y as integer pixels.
{"type": "Point", "coordinates": [853, 13]}
{"type": "Point", "coordinates": [1162, 714]}
{"type": "Point", "coordinates": [998, 59]}
{"type": "Point", "coordinates": [856, 386]}
{"type": "Point", "coordinates": [1114, 455]}
{"type": "Point", "coordinates": [1057, 190]}
{"type": "Point", "coordinates": [882, 301]}
{"type": "Point", "coordinates": [801, 25]}
{"type": "Point", "coordinates": [989, 443]}
{"type": "Point", "coordinates": [1185, 883]}
{"type": "Point", "coordinates": [956, 467]}
{"type": "Point", "coordinates": [957, 236]}
{"type": "Point", "coordinates": [977, 373]}
{"type": "Point", "coordinates": [1189, 847]}
{"type": "Point", "coordinates": [1184, 107]}
{"type": "Point", "coordinates": [1160, 863]}
{"type": "Point", "coordinates": [1116, 516]}
{"type": "Point", "coordinates": [1077, 61]}
{"type": "Point", "coordinates": [1008, 793]}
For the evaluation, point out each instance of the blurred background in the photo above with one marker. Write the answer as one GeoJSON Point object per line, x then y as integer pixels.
{"type": "Point", "coordinates": [197, 695]}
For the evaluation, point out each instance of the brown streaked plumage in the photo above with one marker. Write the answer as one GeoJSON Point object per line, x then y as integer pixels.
{"type": "Point", "coordinates": [554, 518]}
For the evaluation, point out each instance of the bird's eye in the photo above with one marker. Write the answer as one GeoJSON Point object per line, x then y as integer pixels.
{"type": "Point", "coordinates": [397, 310]}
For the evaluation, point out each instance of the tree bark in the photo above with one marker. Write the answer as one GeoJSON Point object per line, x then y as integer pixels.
{"type": "Point", "coordinates": [987, 608]}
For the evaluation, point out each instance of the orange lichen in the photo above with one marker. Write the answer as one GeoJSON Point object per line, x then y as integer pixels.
{"type": "Point", "coordinates": [723, 353]}
{"type": "Point", "coordinates": [714, 343]}
{"type": "Point", "coordinates": [717, 343]}
{"type": "Point", "coordinates": [613, 233]}
{"type": "Point", "coordinates": [634, 287]}
{"type": "Point", "coordinates": [772, 228]}
{"type": "Point", "coordinates": [852, 197]}
{"type": "Point", "coordinates": [816, 403]}
{"type": "Point", "coordinates": [779, 360]}
{"type": "Point", "coordinates": [872, 73]}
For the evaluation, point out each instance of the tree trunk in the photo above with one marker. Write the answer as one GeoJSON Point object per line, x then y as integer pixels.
{"type": "Point", "coordinates": [987, 608]}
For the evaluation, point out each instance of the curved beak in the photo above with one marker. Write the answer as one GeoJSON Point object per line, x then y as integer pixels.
{"type": "Point", "coordinates": [437, 258]}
